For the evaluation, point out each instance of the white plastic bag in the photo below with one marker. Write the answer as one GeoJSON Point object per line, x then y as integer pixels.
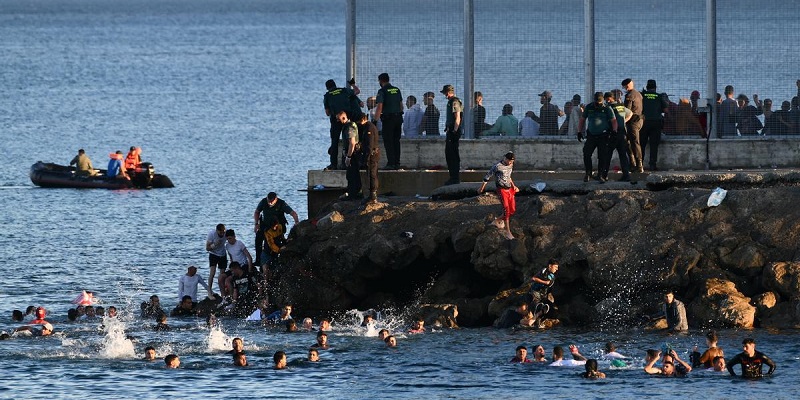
{"type": "Point", "coordinates": [716, 197]}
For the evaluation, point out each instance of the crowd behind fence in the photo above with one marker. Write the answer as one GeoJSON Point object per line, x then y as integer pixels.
{"type": "Point", "coordinates": [522, 48]}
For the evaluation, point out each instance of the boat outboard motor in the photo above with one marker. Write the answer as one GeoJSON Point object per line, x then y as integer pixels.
{"type": "Point", "coordinates": [144, 174]}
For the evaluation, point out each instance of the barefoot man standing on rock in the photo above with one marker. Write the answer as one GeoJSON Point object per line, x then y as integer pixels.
{"type": "Point", "coordinates": [505, 190]}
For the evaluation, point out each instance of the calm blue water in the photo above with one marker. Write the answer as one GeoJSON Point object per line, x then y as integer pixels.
{"type": "Point", "coordinates": [225, 98]}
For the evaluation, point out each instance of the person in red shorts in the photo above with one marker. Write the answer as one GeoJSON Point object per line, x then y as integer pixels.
{"type": "Point", "coordinates": [505, 190]}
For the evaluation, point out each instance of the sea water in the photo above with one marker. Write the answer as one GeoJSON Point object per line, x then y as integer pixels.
{"type": "Point", "coordinates": [226, 99]}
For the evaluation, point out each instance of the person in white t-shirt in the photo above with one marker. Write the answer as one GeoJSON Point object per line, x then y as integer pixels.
{"type": "Point", "coordinates": [217, 257]}
{"type": "Point", "coordinates": [187, 284]}
{"type": "Point", "coordinates": [237, 251]}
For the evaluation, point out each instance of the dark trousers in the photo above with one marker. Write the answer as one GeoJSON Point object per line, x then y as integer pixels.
{"type": "Point", "coordinates": [451, 153]}
{"type": "Point", "coordinates": [259, 242]}
{"type": "Point", "coordinates": [336, 133]}
{"type": "Point", "coordinates": [619, 143]}
{"type": "Point", "coordinates": [392, 128]}
{"type": "Point", "coordinates": [651, 133]}
{"type": "Point", "coordinates": [634, 150]}
{"type": "Point", "coordinates": [353, 177]}
{"type": "Point", "coordinates": [593, 142]}
{"type": "Point", "coordinates": [372, 169]}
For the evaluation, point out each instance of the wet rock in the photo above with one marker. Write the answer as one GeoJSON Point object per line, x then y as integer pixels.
{"type": "Point", "coordinates": [720, 305]}
{"type": "Point", "coordinates": [439, 315]}
{"type": "Point", "coordinates": [473, 312]}
{"type": "Point", "coordinates": [785, 315]}
{"type": "Point", "coordinates": [784, 278]}
{"type": "Point", "coordinates": [764, 301]}
{"type": "Point", "coordinates": [329, 220]}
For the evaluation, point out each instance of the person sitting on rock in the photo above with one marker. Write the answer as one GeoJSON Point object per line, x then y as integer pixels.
{"type": "Point", "coordinates": [675, 313]}
{"type": "Point", "coordinates": [184, 309]}
{"type": "Point", "coordinates": [512, 315]}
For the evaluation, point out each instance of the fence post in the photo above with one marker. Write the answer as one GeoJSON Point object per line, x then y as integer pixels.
{"type": "Point", "coordinates": [588, 49]}
{"type": "Point", "coordinates": [711, 63]}
{"type": "Point", "coordinates": [469, 68]}
{"type": "Point", "coordinates": [350, 40]}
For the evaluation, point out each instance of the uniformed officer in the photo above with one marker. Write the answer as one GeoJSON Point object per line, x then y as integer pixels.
{"type": "Point", "coordinates": [453, 129]}
{"type": "Point", "coordinates": [654, 105]}
{"type": "Point", "coordinates": [618, 141]}
{"type": "Point", "coordinates": [389, 110]}
{"type": "Point", "coordinates": [633, 100]}
{"type": "Point", "coordinates": [601, 123]}
{"type": "Point", "coordinates": [340, 99]}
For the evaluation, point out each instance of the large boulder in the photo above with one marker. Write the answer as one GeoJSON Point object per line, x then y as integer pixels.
{"type": "Point", "coordinates": [784, 278]}
{"type": "Point", "coordinates": [785, 315]}
{"type": "Point", "coordinates": [720, 305]}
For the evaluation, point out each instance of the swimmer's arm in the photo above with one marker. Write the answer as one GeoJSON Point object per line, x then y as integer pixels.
{"type": "Point", "coordinates": [650, 369]}
{"type": "Point", "coordinates": [684, 363]}
{"type": "Point", "coordinates": [770, 363]}
{"type": "Point", "coordinates": [734, 361]}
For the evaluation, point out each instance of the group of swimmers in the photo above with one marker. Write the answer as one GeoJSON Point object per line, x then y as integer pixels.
{"type": "Point", "coordinates": [665, 362]}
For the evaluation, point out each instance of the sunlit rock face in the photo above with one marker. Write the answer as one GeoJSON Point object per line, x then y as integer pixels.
{"type": "Point", "coordinates": [619, 249]}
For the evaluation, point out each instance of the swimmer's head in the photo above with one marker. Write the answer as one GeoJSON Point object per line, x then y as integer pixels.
{"type": "Point", "coordinates": [40, 313]}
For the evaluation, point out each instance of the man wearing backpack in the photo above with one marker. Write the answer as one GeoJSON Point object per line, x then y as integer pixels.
{"type": "Point", "coordinates": [599, 121]}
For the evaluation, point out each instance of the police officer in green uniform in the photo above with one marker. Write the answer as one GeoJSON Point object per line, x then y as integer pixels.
{"type": "Point", "coordinates": [389, 110]}
{"type": "Point", "coordinates": [601, 123]}
{"type": "Point", "coordinates": [340, 99]}
{"type": "Point", "coordinates": [618, 141]}
{"type": "Point", "coordinates": [654, 104]}
{"type": "Point", "coordinates": [453, 129]}
{"type": "Point", "coordinates": [352, 157]}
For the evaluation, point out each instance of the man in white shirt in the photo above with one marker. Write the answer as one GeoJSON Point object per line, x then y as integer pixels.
{"type": "Point", "coordinates": [237, 251]}
{"type": "Point", "coordinates": [217, 257]}
{"type": "Point", "coordinates": [187, 284]}
{"type": "Point", "coordinates": [412, 118]}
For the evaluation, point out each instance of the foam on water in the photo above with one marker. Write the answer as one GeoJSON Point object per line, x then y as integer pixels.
{"type": "Point", "coordinates": [115, 343]}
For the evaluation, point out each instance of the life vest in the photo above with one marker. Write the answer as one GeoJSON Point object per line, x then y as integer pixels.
{"type": "Point", "coordinates": [133, 160]}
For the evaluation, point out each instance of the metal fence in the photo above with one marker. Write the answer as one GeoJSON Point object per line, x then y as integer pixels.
{"type": "Point", "coordinates": [511, 50]}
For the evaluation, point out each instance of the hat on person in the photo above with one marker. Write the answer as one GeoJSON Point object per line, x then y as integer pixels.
{"type": "Point", "coordinates": [651, 84]}
{"type": "Point", "coordinates": [48, 326]}
{"type": "Point", "coordinates": [695, 94]}
{"type": "Point", "coordinates": [626, 81]}
{"type": "Point", "coordinates": [547, 94]}
{"type": "Point", "coordinates": [447, 89]}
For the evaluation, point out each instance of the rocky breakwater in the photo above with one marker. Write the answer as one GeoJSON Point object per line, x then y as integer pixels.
{"type": "Point", "coordinates": [620, 246]}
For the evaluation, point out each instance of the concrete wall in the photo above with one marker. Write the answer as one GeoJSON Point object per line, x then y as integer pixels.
{"type": "Point", "coordinates": [567, 154]}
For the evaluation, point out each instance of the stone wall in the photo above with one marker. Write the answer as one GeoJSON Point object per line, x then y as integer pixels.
{"type": "Point", "coordinates": [566, 153]}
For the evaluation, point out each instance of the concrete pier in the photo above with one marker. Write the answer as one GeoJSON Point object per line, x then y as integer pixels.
{"type": "Point", "coordinates": [546, 159]}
